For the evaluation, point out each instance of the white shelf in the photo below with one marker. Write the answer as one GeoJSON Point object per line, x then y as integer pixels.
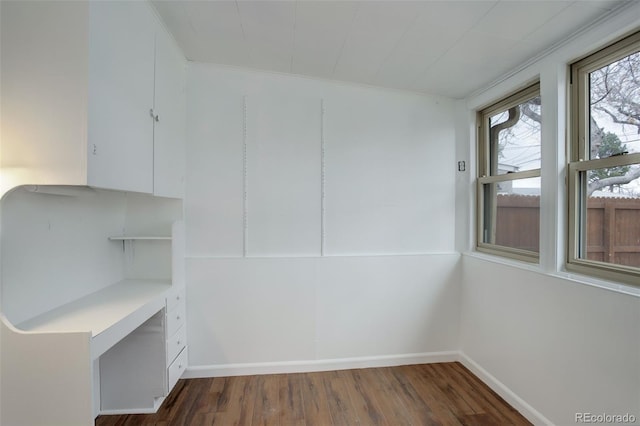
{"type": "Point", "coordinates": [140, 237]}
{"type": "Point", "coordinates": [109, 314]}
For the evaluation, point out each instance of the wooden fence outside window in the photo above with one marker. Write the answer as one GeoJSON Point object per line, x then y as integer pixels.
{"type": "Point", "coordinates": [613, 226]}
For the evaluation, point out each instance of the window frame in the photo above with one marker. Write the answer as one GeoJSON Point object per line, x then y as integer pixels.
{"type": "Point", "coordinates": [485, 177]}
{"type": "Point", "coordinates": [578, 146]}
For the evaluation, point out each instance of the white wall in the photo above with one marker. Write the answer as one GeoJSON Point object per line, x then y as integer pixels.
{"type": "Point", "coordinates": [279, 310]}
{"type": "Point", "coordinates": [305, 199]}
{"type": "Point", "coordinates": [550, 342]}
{"type": "Point", "coordinates": [561, 346]}
{"type": "Point", "coordinates": [388, 167]}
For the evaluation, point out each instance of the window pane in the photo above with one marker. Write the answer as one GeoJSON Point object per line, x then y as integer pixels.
{"type": "Point", "coordinates": [612, 232]}
{"type": "Point", "coordinates": [512, 214]}
{"type": "Point", "coordinates": [615, 108]}
{"type": "Point", "coordinates": [515, 138]}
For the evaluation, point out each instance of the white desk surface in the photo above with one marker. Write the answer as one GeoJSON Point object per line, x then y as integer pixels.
{"type": "Point", "coordinates": [101, 310]}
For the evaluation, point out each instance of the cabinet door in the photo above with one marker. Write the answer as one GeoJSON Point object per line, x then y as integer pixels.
{"type": "Point", "coordinates": [121, 68]}
{"type": "Point", "coordinates": [170, 127]}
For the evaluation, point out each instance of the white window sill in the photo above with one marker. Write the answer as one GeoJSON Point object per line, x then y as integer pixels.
{"type": "Point", "coordinates": [570, 276]}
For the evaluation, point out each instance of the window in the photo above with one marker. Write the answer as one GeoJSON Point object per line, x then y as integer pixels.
{"type": "Point", "coordinates": [509, 176]}
{"type": "Point", "coordinates": [604, 168]}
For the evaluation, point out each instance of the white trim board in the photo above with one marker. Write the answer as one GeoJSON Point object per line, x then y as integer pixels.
{"type": "Point", "coordinates": [530, 413]}
{"type": "Point", "coordinates": [147, 410]}
{"type": "Point", "coordinates": [226, 370]}
{"type": "Point", "coordinates": [324, 256]}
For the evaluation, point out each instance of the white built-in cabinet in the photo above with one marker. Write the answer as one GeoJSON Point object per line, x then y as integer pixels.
{"type": "Point", "coordinates": [121, 90]}
{"type": "Point", "coordinates": [92, 322]}
{"type": "Point", "coordinates": [89, 88]}
{"type": "Point", "coordinates": [93, 126]}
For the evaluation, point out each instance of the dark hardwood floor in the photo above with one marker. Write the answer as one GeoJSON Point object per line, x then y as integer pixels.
{"type": "Point", "coordinates": [427, 394]}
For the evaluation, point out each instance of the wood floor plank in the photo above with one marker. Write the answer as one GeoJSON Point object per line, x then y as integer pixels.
{"type": "Point", "coordinates": [242, 394]}
{"type": "Point", "coordinates": [139, 419]}
{"type": "Point", "coordinates": [430, 394]}
{"type": "Point", "coordinates": [490, 401]}
{"type": "Point", "coordinates": [414, 404]}
{"type": "Point", "coordinates": [342, 412]}
{"type": "Point", "coordinates": [196, 402]}
{"type": "Point", "coordinates": [267, 401]}
{"type": "Point", "coordinates": [458, 405]}
{"type": "Point", "coordinates": [290, 396]}
{"type": "Point", "coordinates": [480, 420]}
{"type": "Point", "coordinates": [202, 419]}
{"type": "Point", "coordinates": [314, 400]}
{"type": "Point", "coordinates": [174, 402]}
{"type": "Point", "coordinates": [366, 408]}
{"type": "Point", "coordinates": [394, 411]}
{"type": "Point", "coordinates": [219, 394]}
{"type": "Point", "coordinates": [473, 397]}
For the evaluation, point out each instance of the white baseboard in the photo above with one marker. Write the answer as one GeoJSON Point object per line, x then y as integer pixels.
{"type": "Point", "coordinates": [507, 394]}
{"type": "Point", "coordinates": [225, 370]}
{"type": "Point", "coordinates": [157, 402]}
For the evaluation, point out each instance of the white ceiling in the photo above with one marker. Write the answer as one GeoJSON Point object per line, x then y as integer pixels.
{"type": "Point", "coordinates": [449, 48]}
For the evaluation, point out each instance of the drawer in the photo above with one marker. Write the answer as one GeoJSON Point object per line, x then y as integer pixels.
{"type": "Point", "coordinates": [174, 297]}
{"type": "Point", "coordinates": [175, 319]}
{"type": "Point", "coordinates": [176, 369]}
{"type": "Point", "coordinates": [176, 343]}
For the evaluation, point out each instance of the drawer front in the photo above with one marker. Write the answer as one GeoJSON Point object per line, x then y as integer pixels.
{"type": "Point", "coordinates": [176, 369]}
{"type": "Point", "coordinates": [176, 343]}
{"type": "Point", "coordinates": [175, 319]}
{"type": "Point", "coordinates": [175, 297]}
